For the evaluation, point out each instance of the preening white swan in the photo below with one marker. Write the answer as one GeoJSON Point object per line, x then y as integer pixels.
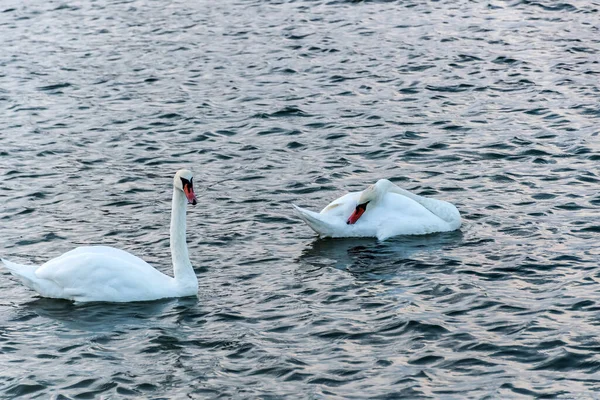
{"type": "Point", "coordinates": [101, 273]}
{"type": "Point", "coordinates": [382, 210]}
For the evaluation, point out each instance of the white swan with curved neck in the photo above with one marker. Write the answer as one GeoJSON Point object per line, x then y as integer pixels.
{"type": "Point", "coordinates": [382, 210]}
{"type": "Point", "coordinates": [101, 273]}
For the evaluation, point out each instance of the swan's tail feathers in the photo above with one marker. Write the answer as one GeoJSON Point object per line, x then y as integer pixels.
{"type": "Point", "coordinates": [314, 221]}
{"type": "Point", "coordinates": [25, 273]}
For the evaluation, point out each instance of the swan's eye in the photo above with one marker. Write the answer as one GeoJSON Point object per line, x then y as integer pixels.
{"type": "Point", "coordinates": [187, 185]}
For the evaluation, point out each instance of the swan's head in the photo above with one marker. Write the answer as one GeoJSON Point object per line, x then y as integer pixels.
{"type": "Point", "coordinates": [184, 181]}
{"type": "Point", "coordinates": [370, 195]}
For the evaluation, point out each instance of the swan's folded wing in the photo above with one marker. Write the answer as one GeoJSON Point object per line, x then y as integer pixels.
{"type": "Point", "coordinates": [342, 207]}
{"type": "Point", "coordinates": [101, 275]}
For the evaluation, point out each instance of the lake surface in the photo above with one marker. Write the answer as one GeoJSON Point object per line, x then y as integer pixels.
{"type": "Point", "coordinates": [493, 106]}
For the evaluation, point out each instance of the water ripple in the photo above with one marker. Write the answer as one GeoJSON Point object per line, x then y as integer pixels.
{"type": "Point", "coordinates": [492, 106]}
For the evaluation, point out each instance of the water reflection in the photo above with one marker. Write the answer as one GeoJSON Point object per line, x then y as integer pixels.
{"type": "Point", "coordinates": [367, 256]}
{"type": "Point", "coordinates": [104, 317]}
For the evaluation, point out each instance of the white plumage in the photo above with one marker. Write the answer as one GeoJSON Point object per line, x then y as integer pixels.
{"type": "Point", "coordinates": [102, 273]}
{"type": "Point", "coordinates": [388, 211]}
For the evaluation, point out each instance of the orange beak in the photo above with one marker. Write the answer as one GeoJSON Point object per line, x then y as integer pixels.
{"type": "Point", "coordinates": [189, 194]}
{"type": "Point", "coordinates": [357, 213]}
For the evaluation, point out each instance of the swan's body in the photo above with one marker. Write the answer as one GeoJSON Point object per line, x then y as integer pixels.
{"type": "Point", "coordinates": [101, 273]}
{"type": "Point", "coordinates": [383, 210]}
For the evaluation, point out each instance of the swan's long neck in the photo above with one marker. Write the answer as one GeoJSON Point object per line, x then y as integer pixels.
{"type": "Point", "coordinates": [419, 199]}
{"type": "Point", "coordinates": [442, 209]}
{"type": "Point", "coordinates": [182, 267]}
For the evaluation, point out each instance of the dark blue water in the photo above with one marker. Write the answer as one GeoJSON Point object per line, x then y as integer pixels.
{"type": "Point", "coordinates": [493, 106]}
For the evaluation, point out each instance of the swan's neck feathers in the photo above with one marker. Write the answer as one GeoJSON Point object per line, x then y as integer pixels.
{"type": "Point", "coordinates": [182, 267]}
{"type": "Point", "coordinates": [398, 190]}
{"type": "Point", "coordinates": [442, 209]}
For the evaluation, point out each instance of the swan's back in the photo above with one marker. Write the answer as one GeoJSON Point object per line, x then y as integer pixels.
{"type": "Point", "coordinates": [100, 251]}
{"type": "Point", "coordinates": [101, 273]}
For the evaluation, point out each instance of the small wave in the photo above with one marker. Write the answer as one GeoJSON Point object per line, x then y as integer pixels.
{"type": "Point", "coordinates": [57, 86]}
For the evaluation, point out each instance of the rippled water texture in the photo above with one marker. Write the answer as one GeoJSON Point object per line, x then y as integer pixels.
{"type": "Point", "coordinates": [493, 106]}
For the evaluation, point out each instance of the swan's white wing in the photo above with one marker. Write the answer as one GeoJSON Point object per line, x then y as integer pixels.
{"type": "Point", "coordinates": [104, 274]}
{"type": "Point", "coordinates": [399, 215]}
{"type": "Point", "coordinates": [341, 207]}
